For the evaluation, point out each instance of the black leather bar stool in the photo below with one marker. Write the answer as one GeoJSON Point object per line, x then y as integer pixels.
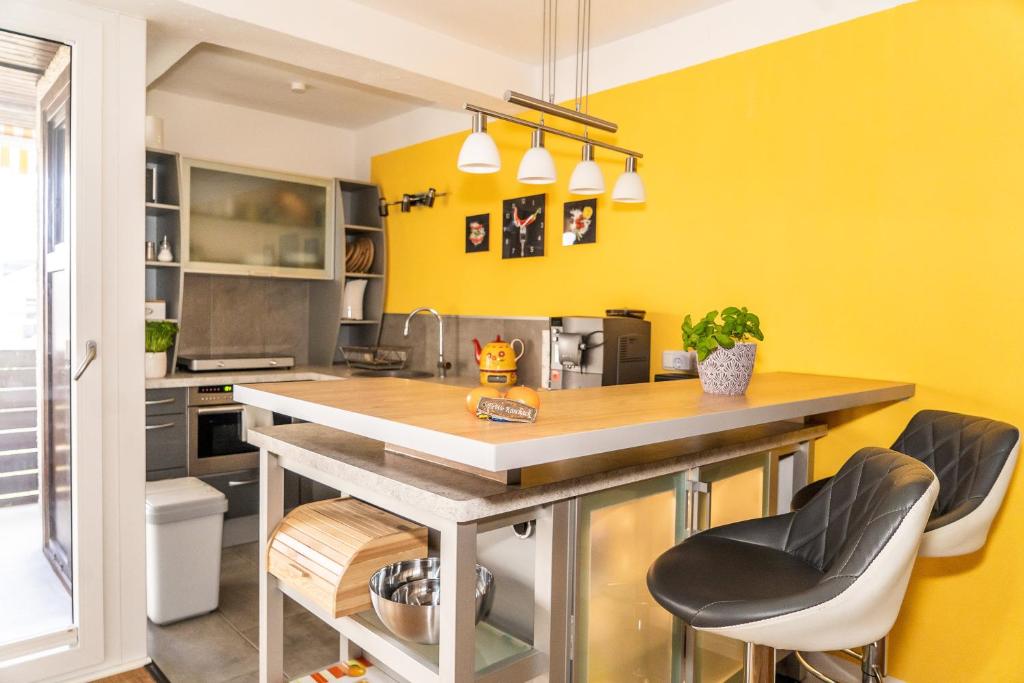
{"type": "Point", "coordinates": [829, 576]}
{"type": "Point", "coordinates": [973, 458]}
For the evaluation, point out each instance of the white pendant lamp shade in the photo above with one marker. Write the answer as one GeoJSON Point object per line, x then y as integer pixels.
{"type": "Point", "coordinates": [629, 188]}
{"type": "Point", "coordinates": [537, 166]}
{"type": "Point", "coordinates": [479, 154]}
{"type": "Point", "coordinates": [586, 177]}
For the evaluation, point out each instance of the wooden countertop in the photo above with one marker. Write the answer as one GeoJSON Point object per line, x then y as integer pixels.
{"type": "Point", "coordinates": [432, 418]}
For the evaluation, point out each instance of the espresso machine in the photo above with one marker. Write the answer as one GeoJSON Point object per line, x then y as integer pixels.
{"type": "Point", "coordinates": [596, 352]}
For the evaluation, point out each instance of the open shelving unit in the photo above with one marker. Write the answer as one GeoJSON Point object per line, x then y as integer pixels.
{"type": "Point", "coordinates": [163, 218]}
{"type": "Point", "coordinates": [356, 216]}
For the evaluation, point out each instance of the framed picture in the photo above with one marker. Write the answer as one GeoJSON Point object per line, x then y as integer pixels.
{"type": "Point", "coordinates": [478, 233]}
{"type": "Point", "coordinates": [522, 221]}
{"type": "Point", "coordinates": [579, 222]}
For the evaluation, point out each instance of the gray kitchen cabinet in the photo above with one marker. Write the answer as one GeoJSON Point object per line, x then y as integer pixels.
{"type": "Point", "coordinates": [165, 401]}
{"type": "Point", "coordinates": [242, 489]}
{"type": "Point", "coordinates": [166, 441]}
{"type": "Point", "coordinates": [172, 473]}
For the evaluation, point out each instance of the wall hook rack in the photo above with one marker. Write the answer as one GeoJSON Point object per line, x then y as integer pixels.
{"type": "Point", "coordinates": [410, 200]}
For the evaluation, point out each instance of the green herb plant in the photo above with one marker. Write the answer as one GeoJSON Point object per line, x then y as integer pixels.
{"type": "Point", "coordinates": [160, 335]}
{"type": "Point", "coordinates": [708, 334]}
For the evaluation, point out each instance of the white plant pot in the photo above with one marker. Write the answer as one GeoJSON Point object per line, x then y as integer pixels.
{"type": "Point", "coordinates": [727, 372]}
{"type": "Point", "coordinates": [156, 364]}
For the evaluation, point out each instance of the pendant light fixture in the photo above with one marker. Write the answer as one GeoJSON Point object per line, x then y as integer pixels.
{"type": "Point", "coordinates": [629, 188]}
{"type": "Point", "coordinates": [537, 167]}
{"type": "Point", "coordinates": [586, 177]}
{"type": "Point", "coordinates": [479, 154]}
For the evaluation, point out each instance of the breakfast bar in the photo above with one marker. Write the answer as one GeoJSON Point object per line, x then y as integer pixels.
{"type": "Point", "coordinates": [412, 449]}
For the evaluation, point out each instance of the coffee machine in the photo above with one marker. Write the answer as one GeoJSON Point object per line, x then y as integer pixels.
{"type": "Point", "coordinates": [595, 352]}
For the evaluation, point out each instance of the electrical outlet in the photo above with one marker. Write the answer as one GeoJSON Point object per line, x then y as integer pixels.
{"type": "Point", "coordinates": [679, 360]}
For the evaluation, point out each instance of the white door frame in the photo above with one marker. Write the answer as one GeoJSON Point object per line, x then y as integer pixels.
{"type": "Point", "coordinates": [85, 36]}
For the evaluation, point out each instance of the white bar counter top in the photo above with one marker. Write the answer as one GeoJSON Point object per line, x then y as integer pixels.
{"type": "Point", "coordinates": [432, 418]}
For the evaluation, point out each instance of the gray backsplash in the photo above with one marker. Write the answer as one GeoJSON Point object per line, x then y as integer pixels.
{"type": "Point", "coordinates": [459, 332]}
{"type": "Point", "coordinates": [221, 314]}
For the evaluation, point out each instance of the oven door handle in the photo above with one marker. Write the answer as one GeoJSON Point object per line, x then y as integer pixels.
{"type": "Point", "coordinates": [213, 410]}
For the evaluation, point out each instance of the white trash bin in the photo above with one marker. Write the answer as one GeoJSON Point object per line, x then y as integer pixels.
{"type": "Point", "coordinates": [184, 523]}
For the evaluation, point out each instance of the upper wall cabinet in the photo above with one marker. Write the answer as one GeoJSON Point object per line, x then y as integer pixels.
{"type": "Point", "coordinates": [242, 221]}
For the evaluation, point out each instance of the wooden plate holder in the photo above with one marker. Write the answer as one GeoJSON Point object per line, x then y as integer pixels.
{"type": "Point", "coordinates": [328, 551]}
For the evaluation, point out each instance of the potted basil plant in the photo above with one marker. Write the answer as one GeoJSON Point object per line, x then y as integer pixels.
{"type": "Point", "coordinates": [160, 336]}
{"type": "Point", "coordinates": [725, 357]}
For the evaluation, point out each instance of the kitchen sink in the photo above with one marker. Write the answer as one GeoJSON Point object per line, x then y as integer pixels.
{"type": "Point", "coordinates": [405, 374]}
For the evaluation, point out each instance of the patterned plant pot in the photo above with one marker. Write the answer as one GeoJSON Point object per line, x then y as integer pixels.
{"type": "Point", "coordinates": [727, 371]}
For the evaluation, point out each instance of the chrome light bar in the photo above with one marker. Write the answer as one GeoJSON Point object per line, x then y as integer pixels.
{"type": "Point", "coordinates": [554, 131]}
{"type": "Point", "coordinates": [513, 97]}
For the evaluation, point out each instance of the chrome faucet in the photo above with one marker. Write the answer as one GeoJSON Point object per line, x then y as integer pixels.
{"type": "Point", "coordinates": [442, 365]}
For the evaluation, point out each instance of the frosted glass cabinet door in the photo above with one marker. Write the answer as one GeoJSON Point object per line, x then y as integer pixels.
{"type": "Point", "coordinates": [249, 222]}
{"type": "Point", "coordinates": [726, 492]}
{"type": "Point", "coordinates": [621, 634]}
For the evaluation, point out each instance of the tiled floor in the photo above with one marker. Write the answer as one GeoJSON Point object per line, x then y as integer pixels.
{"type": "Point", "coordinates": [221, 647]}
{"type": "Point", "coordinates": [34, 600]}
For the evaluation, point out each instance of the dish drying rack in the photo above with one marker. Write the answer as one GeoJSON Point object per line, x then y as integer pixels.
{"type": "Point", "coordinates": [375, 357]}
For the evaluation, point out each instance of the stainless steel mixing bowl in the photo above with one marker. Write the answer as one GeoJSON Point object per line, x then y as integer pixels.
{"type": "Point", "coordinates": [407, 595]}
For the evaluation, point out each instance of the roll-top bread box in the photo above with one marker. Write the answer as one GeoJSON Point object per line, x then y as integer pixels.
{"type": "Point", "coordinates": [329, 549]}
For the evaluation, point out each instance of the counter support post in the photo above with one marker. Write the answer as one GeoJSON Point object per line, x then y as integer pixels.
{"type": "Point", "coordinates": [271, 599]}
{"type": "Point", "coordinates": [803, 465]}
{"type": "Point", "coordinates": [458, 616]}
{"type": "Point", "coordinates": [551, 589]}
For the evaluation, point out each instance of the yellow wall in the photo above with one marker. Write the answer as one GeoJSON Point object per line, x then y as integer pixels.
{"type": "Point", "coordinates": [862, 189]}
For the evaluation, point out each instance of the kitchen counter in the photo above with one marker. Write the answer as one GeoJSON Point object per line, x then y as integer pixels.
{"type": "Point", "coordinates": [432, 418]}
{"type": "Point", "coordinates": [672, 428]}
{"type": "Point", "coordinates": [184, 378]}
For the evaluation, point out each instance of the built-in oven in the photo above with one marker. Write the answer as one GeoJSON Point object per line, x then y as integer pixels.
{"type": "Point", "coordinates": [216, 431]}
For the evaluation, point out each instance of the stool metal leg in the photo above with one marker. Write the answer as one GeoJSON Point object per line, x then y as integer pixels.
{"type": "Point", "coordinates": [759, 664]}
{"type": "Point", "coordinates": [871, 664]}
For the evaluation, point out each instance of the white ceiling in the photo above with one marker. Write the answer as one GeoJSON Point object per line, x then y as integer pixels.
{"type": "Point", "coordinates": [512, 28]}
{"type": "Point", "coordinates": [245, 80]}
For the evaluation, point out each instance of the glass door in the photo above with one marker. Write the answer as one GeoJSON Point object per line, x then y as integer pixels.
{"type": "Point", "coordinates": [51, 567]}
{"type": "Point", "coordinates": [55, 338]}
{"type": "Point", "coordinates": [35, 397]}
{"type": "Point", "coordinates": [724, 493]}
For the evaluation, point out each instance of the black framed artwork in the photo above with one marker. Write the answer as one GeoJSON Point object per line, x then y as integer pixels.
{"type": "Point", "coordinates": [478, 233]}
{"type": "Point", "coordinates": [522, 221]}
{"type": "Point", "coordinates": [579, 222]}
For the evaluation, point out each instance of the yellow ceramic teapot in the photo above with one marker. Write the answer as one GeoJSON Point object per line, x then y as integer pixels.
{"type": "Point", "coordinates": [497, 361]}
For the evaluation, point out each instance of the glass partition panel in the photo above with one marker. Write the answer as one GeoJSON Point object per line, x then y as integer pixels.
{"type": "Point", "coordinates": [621, 633]}
{"type": "Point", "coordinates": [735, 490]}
